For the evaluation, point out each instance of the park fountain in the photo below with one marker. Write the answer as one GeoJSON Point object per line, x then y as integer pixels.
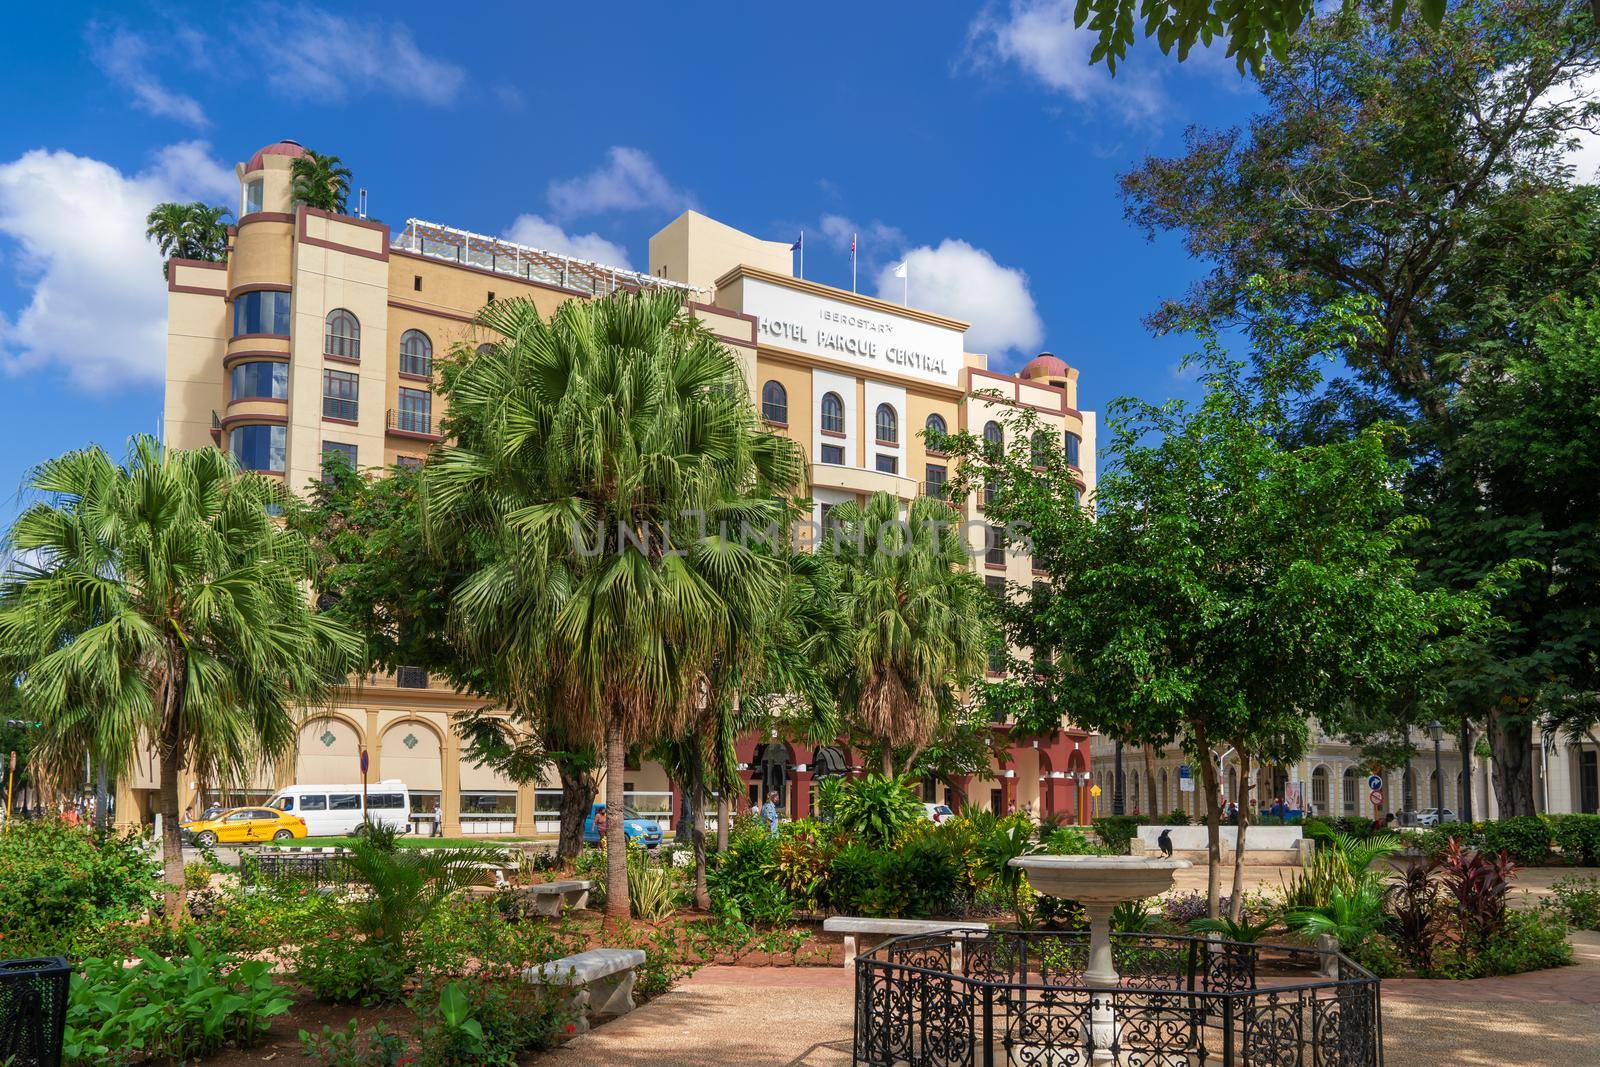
{"type": "Point", "coordinates": [1100, 883]}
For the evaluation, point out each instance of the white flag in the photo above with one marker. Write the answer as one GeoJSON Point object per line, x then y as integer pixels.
{"type": "Point", "coordinates": [900, 270]}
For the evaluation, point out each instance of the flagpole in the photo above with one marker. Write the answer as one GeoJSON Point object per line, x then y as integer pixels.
{"type": "Point", "coordinates": [852, 263]}
{"type": "Point", "coordinates": [802, 253]}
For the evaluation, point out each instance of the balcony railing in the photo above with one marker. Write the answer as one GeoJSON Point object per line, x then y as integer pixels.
{"type": "Point", "coordinates": [936, 490]}
{"type": "Point", "coordinates": [335, 408]}
{"type": "Point", "coordinates": [421, 366]}
{"type": "Point", "coordinates": [413, 422]}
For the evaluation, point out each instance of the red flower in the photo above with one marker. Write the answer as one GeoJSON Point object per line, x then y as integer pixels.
{"type": "Point", "coordinates": [571, 1028]}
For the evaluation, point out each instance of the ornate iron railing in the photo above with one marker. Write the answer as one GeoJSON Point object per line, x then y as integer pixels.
{"type": "Point", "coordinates": [1010, 997]}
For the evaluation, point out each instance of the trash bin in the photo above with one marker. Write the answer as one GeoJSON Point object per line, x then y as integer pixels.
{"type": "Point", "coordinates": [33, 1011]}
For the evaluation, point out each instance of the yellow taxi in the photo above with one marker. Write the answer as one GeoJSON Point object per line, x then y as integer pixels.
{"type": "Point", "coordinates": [242, 826]}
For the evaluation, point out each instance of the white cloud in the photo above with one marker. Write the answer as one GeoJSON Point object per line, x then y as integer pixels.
{"type": "Point", "coordinates": [541, 233]}
{"type": "Point", "coordinates": [314, 55]}
{"type": "Point", "coordinates": [875, 240]}
{"type": "Point", "coordinates": [97, 305]}
{"type": "Point", "coordinates": [1038, 37]}
{"type": "Point", "coordinates": [628, 180]}
{"type": "Point", "coordinates": [124, 57]}
{"type": "Point", "coordinates": [1585, 157]}
{"type": "Point", "coordinates": [964, 282]}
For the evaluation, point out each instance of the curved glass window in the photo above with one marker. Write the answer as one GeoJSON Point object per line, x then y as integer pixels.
{"type": "Point", "coordinates": [774, 402]}
{"type": "Point", "coordinates": [416, 354]}
{"type": "Point", "coordinates": [260, 380]}
{"type": "Point", "coordinates": [832, 413]}
{"type": "Point", "coordinates": [1072, 443]}
{"type": "Point", "coordinates": [263, 311]}
{"type": "Point", "coordinates": [342, 335]}
{"type": "Point", "coordinates": [887, 425]}
{"type": "Point", "coordinates": [259, 448]}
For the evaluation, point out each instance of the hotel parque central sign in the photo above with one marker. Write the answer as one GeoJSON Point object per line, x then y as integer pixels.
{"type": "Point", "coordinates": [873, 340]}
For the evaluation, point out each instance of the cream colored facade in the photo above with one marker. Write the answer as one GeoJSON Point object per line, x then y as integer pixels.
{"type": "Point", "coordinates": [263, 360]}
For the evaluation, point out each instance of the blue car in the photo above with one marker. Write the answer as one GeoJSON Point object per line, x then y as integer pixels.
{"type": "Point", "coordinates": [640, 830]}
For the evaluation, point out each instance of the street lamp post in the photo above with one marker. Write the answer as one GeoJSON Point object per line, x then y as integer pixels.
{"type": "Point", "coordinates": [1466, 771]}
{"type": "Point", "coordinates": [1436, 731]}
{"type": "Point", "coordinates": [1116, 786]}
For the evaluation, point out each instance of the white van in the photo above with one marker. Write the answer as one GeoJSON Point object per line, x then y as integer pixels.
{"type": "Point", "coordinates": [335, 810]}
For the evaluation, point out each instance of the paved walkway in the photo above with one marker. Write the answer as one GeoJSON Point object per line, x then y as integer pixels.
{"type": "Point", "coordinates": [801, 1017]}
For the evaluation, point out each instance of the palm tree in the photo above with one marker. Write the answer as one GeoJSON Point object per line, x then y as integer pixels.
{"type": "Point", "coordinates": [320, 181]}
{"type": "Point", "coordinates": [918, 620]}
{"type": "Point", "coordinates": [160, 603]}
{"type": "Point", "coordinates": [601, 458]}
{"type": "Point", "coordinates": [188, 231]}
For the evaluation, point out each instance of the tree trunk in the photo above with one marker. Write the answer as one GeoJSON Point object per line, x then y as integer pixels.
{"type": "Point", "coordinates": [616, 835]}
{"type": "Point", "coordinates": [577, 795]}
{"type": "Point", "coordinates": [1511, 743]}
{"type": "Point", "coordinates": [1236, 902]}
{"type": "Point", "coordinates": [171, 840]}
{"type": "Point", "coordinates": [724, 819]}
{"type": "Point", "coordinates": [697, 838]}
{"type": "Point", "coordinates": [1208, 782]}
{"type": "Point", "coordinates": [1154, 801]}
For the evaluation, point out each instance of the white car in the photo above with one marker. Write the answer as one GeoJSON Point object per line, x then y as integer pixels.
{"type": "Point", "coordinates": [1431, 816]}
{"type": "Point", "coordinates": [938, 813]}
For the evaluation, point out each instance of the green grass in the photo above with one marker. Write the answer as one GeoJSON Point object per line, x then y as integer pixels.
{"type": "Point", "coordinates": [403, 842]}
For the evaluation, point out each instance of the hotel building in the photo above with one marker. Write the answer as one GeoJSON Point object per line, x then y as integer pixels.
{"type": "Point", "coordinates": [322, 332]}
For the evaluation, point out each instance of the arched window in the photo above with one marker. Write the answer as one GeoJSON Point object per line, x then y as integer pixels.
{"type": "Point", "coordinates": [1347, 791]}
{"type": "Point", "coordinates": [832, 413]}
{"type": "Point", "coordinates": [936, 428]}
{"type": "Point", "coordinates": [1319, 790]}
{"type": "Point", "coordinates": [1040, 449]}
{"type": "Point", "coordinates": [1072, 443]}
{"type": "Point", "coordinates": [994, 436]}
{"type": "Point", "coordinates": [416, 354]}
{"type": "Point", "coordinates": [341, 335]}
{"type": "Point", "coordinates": [775, 403]}
{"type": "Point", "coordinates": [888, 425]}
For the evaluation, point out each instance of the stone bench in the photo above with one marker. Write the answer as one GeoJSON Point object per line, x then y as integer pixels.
{"type": "Point", "coordinates": [598, 983]}
{"type": "Point", "coordinates": [545, 900]}
{"type": "Point", "coordinates": [852, 926]}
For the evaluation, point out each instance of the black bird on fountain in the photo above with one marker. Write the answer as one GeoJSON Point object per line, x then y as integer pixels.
{"type": "Point", "coordinates": [1165, 841]}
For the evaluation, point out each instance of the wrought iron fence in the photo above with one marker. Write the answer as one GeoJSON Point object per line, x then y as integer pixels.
{"type": "Point", "coordinates": [976, 999]}
{"type": "Point", "coordinates": [271, 866]}
{"type": "Point", "coordinates": [33, 1011]}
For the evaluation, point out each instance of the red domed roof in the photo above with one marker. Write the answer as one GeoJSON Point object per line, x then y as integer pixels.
{"type": "Point", "coordinates": [1045, 365]}
{"type": "Point", "coordinates": [282, 148]}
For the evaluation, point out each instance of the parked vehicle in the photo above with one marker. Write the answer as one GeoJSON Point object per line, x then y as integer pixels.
{"type": "Point", "coordinates": [243, 826]}
{"type": "Point", "coordinates": [335, 810]}
{"type": "Point", "coordinates": [938, 813]}
{"type": "Point", "coordinates": [646, 832]}
{"type": "Point", "coordinates": [1433, 816]}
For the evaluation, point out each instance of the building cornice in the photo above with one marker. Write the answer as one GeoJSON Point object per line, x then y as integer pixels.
{"type": "Point", "coordinates": [745, 270]}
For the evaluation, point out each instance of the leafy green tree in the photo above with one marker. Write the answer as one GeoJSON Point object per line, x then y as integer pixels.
{"type": "Point", "coordinates": [918, 623]}
{"type": "Point", "coordinates": [604, 459]}
{"type": "Point", "coordinates": [320, 181]}
{"type": "Point", "coordinates": [160, 602]}
{"type": "Point", "coordinates": [188, 231]}
{"type": "Point", "coordinates": [1228, 587]}
{"type": "Point", "coordinates": [1423, 171]}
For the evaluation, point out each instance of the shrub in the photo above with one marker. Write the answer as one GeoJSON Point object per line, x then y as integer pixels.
{"type": "Point", "coordinates": [742, 882]}
{"type": "Point", "coordinates": [173, 1009]}
{"type": "Point", "coordinates": [920, 879]}
{"type": "Point", "coordinates": [1578, 837]}
{"type": "Point", "coordinates": [1577, 902]}
{"type": "Point", "coordinates": [853, 876]}
{"type": "Point", "coordinates": [489, 1021]}
{"type": "Point", "coordinates": [1069, 841]}
{"type": "Point", "coordinates": [341, 970]}
{"type": "Point", "coordinates": [1176, 817]}
{"type": "Point", "coordinates": [1527, 941]}
{"type": "Point", "coordinates": [1413, 903]}
{"type": "Point", "coordinates": [57, 880]}
{"type": "Point", "coordinates": [351, 1047]}
{"type": "Point", "coordinates": [1526, 838]}
{"type": "Point", "coordinates": [1116, 832]}
{"type": "Point", "coordinates": [805, 851]}
{"type": "Point", "coordinates": [1183, 910]}
{"type": "Point", "coordinates": [590, 863]}
{"type": "Point", "coordinates": [654, 891]}
{"type": "Point", "coordinates": [877, 809]}
{"type": "Point", "coordinates": [1479, 885]}
{"type": "Point", "coordinates": [197, 875]}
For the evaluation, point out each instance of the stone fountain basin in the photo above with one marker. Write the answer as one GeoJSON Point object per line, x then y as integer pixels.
{"type": "Point", "coordinates": [1099, 879]}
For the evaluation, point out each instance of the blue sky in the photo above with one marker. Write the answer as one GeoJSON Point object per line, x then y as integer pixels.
{"type": "Point", "coordinates": [973, 141]}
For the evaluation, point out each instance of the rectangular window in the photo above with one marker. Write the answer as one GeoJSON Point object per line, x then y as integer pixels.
{"type": "Point", "coordinates": [252, 196]}
{"type": "Point", "coordinates": [415, 414]}
{"type": "Point", "coordinates": [340, 395]}
{"type": "Point", "coordinates": [938, 476]}
{"type": "Point", "coordinates": [260, 380]}
{"type": "Point", "coordinates": [410, 678]}
{"type": "Point", "coordinates": [488, 804]}
{"type": "Point", "coordinates": [425, 804]}
{"type": "Point", "coordinates": [344, 801]}
{"type": "Point", "coordinates": [386, 800]}
{"type": "Point", "coordinates": [888, 464]}
{"type": "Point", "coordinates": [996, 585]}
{"type": "Point", "coordinates": [407, 463]}
{"type": "Point", "coordinates": [314, 802]}
{"type": "Point", "coordinates": [995, 547]}
{"type": "Point", "coordinates": [416, 283]}
{"type": "Point", "coordinates": [340, 449]}
{"type": "Point", "coordinates": [833, 454]}
{"type": "Point", "coordinates": [264, 311]}
{"type": "Point", "coordinates": [1073, 441]}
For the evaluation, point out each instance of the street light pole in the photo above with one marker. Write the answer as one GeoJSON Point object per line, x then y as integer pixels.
{"type": "Point", "coordinates": [1466, 771]}
{"type": "Point", "coordinates": [1116, 786]}
{"type": "Point", "coordinates": [1436, 731]}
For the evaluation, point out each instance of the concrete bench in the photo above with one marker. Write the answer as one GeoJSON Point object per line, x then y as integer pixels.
{"type": "Point", "coordinates": [598, 983]}
{"type": "Point", "coordinates": [547, 899]}
{"type": "Point", "coordinates": [852, 927]}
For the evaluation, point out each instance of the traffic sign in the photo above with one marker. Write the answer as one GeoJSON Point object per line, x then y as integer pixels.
{"type": "Point", "coordinates": [363, 761]}
{"type": "Point", "coordinates": [1376, 797]}
{"type": "Point", "coordinates": [1094, 790]}
{"type": "Point", "coordinates": [1375, 782]}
